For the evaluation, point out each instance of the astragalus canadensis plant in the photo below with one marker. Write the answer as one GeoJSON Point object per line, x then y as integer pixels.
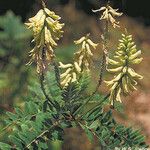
{"type": "Point", "coordinates": [61, 100]}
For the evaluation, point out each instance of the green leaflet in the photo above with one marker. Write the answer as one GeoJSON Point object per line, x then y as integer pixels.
{"type": "Point", "coordinates": [33, 128]}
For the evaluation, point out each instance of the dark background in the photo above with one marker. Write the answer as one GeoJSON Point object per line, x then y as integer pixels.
{"type": "Point", "coordinates": [138, 9]}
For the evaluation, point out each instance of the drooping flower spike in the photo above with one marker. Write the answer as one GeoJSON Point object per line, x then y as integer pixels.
{"type": "Point", "coordinates": [81, 64]}
{"type": "Point", "coordinates": [109, 14]}
{"type": "Point", "coordinates": [125, 78]}
{"type": "Point", "coordinates": [46, 30]}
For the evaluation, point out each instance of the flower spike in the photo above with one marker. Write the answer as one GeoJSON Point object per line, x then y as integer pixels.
{"type": "Point", "coordinates": [82, 61]}
{"type": "Point", "coordinates": [46, 30]}
{"type": "Point", "coordinates": [109, 14]}
{"type": "Point", "coordinates": [125, 78]}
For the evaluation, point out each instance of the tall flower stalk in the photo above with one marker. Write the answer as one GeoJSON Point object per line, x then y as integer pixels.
{"type": "Point", "coordinates": [108, 16]}
{"type": "Point", "coordinates": [47, 30]}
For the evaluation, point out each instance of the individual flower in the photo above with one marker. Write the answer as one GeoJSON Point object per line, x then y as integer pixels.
{"type": "Point", "coordinates": [81, 64]}
{"type": "Point", "coordinates": [125, 78]}
{"type": "Point", "coordinates": [46, 30]}
{"type": "Point", "coordinates": [109, 14]}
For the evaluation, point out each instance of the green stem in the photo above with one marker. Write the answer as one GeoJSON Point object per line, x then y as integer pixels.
{"type": "Point", "coordinates": [80, 108]}
{"type": "Point", "coordinates": [44, 91]}
{"type": "Point", "coordinates": [42, 134]}
{"type": "Point", "coordinates": [42, 78]}
{"type": "Point", "coordinates": [99, 104]}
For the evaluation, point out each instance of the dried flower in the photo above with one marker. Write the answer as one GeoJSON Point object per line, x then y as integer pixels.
{"type": "Point", "coordinates": [125, 78]}
{"type": "Point", "coordinates": [46, 31]}
{"type": "Point", "coordinates": [109, 14]}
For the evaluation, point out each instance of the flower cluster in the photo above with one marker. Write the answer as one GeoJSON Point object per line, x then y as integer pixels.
{"type": "Point", "coordinates": [82, 61]}
{"type": "Point", "coordinates": [84, 55]}
{"type": "Point", "coordinates": [46, 31]}
{"type": "Point", "coordinates": [109, 14]}
{"type": "Point", "coordinates": [125, 77]}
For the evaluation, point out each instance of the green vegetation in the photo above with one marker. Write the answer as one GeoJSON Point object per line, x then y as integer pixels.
{"type": "Point", "coordinates": [14, 43]}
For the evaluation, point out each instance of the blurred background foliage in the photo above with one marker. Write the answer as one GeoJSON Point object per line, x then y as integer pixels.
{"type": "Point", "coordinates": [15, 76]}
{"type": "Point", "coordinates": [14, 42]}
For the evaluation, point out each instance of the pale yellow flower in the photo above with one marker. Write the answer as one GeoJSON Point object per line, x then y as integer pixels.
{"type": "Point", "coordinates": [109, 14]}
{"type": "Point", "coordinates": [125, 78]}
{"type": "Point", "coordinates": [46, 30]}
{"type": "Point", "coordinates": [81, 64]}
{"type": "Point", "coordinates": [84, 55]}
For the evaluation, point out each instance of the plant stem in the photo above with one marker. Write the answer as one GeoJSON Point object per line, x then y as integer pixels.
{"type": "Point", "coordinates": [104, 37]}
{"type": "Point", "coordinates": [43, 90]}
{"type": "Point", "coordinates": [42, 134]}
{"type": "Point", "coordinates": [103, 62]}
{"type": "Point", "coordinates": [43, 3]}
{"type": "Point", "coordinates": [80, 108]}
{"type": "Point", "coordinates": [99, 104]}
{"type": "Point", "coordinates": [42, 78]}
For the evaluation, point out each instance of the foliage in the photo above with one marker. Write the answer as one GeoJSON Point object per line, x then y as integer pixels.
{"type": "Point", "coordinates": [14, 38]}
{"type": "Point", "coordinates": [40, 123]}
